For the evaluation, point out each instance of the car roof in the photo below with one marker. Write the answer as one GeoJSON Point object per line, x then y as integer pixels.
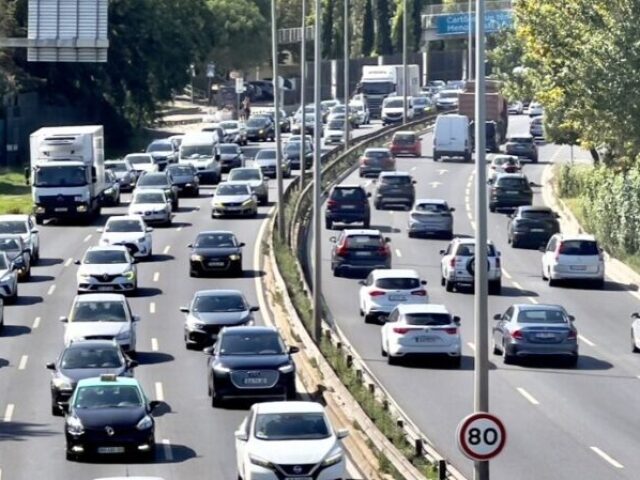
{"type": "Point", "coordinates": [394, 273]}
{"type": "Point", "coordinates": [154, 174]}
{"type": "Point", "coordinates": [534, 208]}
{"type": "Point", "coordinates": [217, 292]}
{"type": "Point", "coordinates": [347, 185]}
{"type": "Point", "coordinates": [578, 236]}
{"type": "Point", "coordinates": [469, 241]}
{"type": "Point", "coordinates": [511, 175]}
{"type": "Point", "coordinates": [361, 231]}
{"type": "Point", "coordinates": [228, 145]}
{"type": "Point", "coordinates": [520, 135]}
{"type": "Point", "coordinates": [125, 217]}
{"type": "Point", "coordinates": [211, 232]}
{"type": "Point", "coordinates": [100, 297]}
{"type": "Point", "coordinates": [394, 174]}
{"type": "Point", "coordinates": [97, 381]}
{"type": "Point", "coordinates": [289, 407]}
{"type": "Point", "coordinates": [110, 248]}
{"type": "Point", "coordinates": [404, 132]}
{"type": "Point", "coordinates": [404, 308]}
{"type": "Point", "coordinates": [437, 201]}
{"type": "Point", "coordinates": [20, 217]}
{"type": "Point", "coordinates": [149, 190]}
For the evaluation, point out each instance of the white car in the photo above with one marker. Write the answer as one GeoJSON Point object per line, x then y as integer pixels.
{"type": "Point", "coordinates": [152, 205]}
{"type": "Point", "coordinates": [129, 231]}
{"type": "Point", "coordinates": [515, 108]}
{"type": "Point", "coordinates": [421, 329]}
{"type": "Point", "coordinates": [142, 162]}
{"type": "Point", "coordinates": [25, 226]}
{"type": "Point", "coordinates": [289, 440]}
{"type": "Point", "coordinates": [635, 333]}
{"type": "Point", "coordinates": [8, 279]}
{"type": "Point", "coordinates": [503, 164]}
{"type": "Point", "coordinates": [535, 109]}
{"type": "Point", "coordinates": [573, 257]}
{"type": "Point", "coordinates": [103, 316]}
{"type": "Point", "coordinates": [334, 132]}
{"type": "Point", "coordinates": [458, 264]}
{"type": "Point", "coordinates": [107, 269]}
{"type": "Point", "coordinates": [384, 289]}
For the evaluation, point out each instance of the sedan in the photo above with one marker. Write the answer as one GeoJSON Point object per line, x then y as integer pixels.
{"type": "Point", "coordinates": [292, 152]}
{"type": "Point", "coordinates": [185, 178]}
{"type": "Point", "coordinates": [215, 252]}
{"type": "Point", "coordinates": [18, 254]}
{"type": "Point", "coordinates": [107, 269]}
{"type": "Point", "coordinates": [160, 181]}
{"type": "Point", "coordinates": [141, 162]}
{"type": "Point", "coordinates": [535, 330]}
{"type": "Point", "coordinates": [250, 362]}
{"type": "Point", "coordinates": [231, 156]}
{"type": "Point", "coordinates": [431, 217]}
{"type": "Point", "coordinates": [260, 129]}
{"type": "Point", "coordinates": [234, 198]}
{"type": "Point", "coordinates": [266, 160]}
{"type": "Point", "coordinates": [8, 279]}
{"type": "Point", "coordinates": [129, 231]}
{"type": "Point", "coordinates": [164, 152]}
{"type": "Point", "coordinates": [152, 205]}
{"type": "Point", "coordinates": [25, 226]}
{"type": "Point", "coordinates": [254, 178]}
{"type": "Point", "coordinates": [124, 172]}
{"type": "Point", "coordinates": [212, 310]}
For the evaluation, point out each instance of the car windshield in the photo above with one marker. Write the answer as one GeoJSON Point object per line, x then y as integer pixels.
{"type": "Point", "coordinates": [107, 396]}
{"type": "Point", "coordinates": [512, 182]}
{"type": "Point", "coordinates": [469, 250]}
{"type": "Point", "coordinates": [13, 226]}
{"type": "Point", "coordinates": [294, 147]}
{"type": "Point", "coordinates": [528, 140]}
{"type": "Point", "coordinates": [139, 159]}
{"type": "Point", "coordinates": [291, 426]}
{"type": "Point", "coordinates": [377, 154]}
{"type": "Point", "coordinates": [266, 155]}
{"type": "Point", "coordinates": [232, 190]}
{"type": "Point", "coordinates": [348, 194]}
{"type": "Point", "coordinates": [336, 125]}
{"type": "Point", "coordinates": [104, 311]}
{"type": "Point", "coordinates": [230, 125]}
{"type": "Point", "coordinates": [251, 344]}
{"type": "Point", "coordinates": [124, 226]}
{"type": "Point", "coordinates": [9, 245]}
{"type": "Point", "coordinates": [405, 283]}
{"type": "Point", "coordinates": [579, 247]}
{"type": "Point", "coordinates": [65, 176]}
{"type": "Point", "coordinates": [537, 214]}
{"type": "Point", "coordinates": [215, 240]}
{"type": "Point", "coordinates": [90, 357]}
{"type": "Point", "coordinates": [196, 151]}
{"type": "Point", "coordinates": [431, 207]}
{"type": "Point", "coordinates": [149, 197]}
{"type": "Point", "coordinates": [394, 103]}
{"type": "Point", "coordinates": [153, 180]}
{"type": "Point", "coordinates": [244, 174]}
{"type": "Point", "coordinates": [105, 257]}
{"type": "Point", "coordinates": [257, 122]}
{"type": "Point", "coordinates": [116, 167]}
{"type": "Point", "coordinates": [338, 109]}
{"type": "Point", "coordinates": [542, 316]}
{"type": "Point", "coordinates": [231, 302]}
{"type": "Point", "coordinates": [396, 180]}
{"type": "Point", "coordinates": [428, 319]}
{"type": "Point", "coordinates": [229, 149]}
{"type": "Point", "coordinates": [420, 101]}
{"type": "Point", "coordinates": [160, 146]}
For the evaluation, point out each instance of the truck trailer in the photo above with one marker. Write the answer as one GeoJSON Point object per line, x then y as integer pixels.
{"type": "Point", "coordinates": [381, 81]}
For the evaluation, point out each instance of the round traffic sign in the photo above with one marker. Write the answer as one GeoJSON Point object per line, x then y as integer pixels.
{"type": "Point", "coordinates": [481, 436]}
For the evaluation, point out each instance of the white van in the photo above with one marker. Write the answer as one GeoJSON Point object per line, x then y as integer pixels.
{"type": "Point", "coordinates": [392, 109]}
{"type": "Point", "coordinates": [201, 151]}
{"type": "Point", "coordinates": [451, 137]}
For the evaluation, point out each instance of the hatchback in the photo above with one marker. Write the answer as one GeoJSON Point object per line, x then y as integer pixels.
{"type": "Point", "coordinates": [510, 190]}
{"type": "Point", "coordinates": [503, 164]}
{"type": "Point", "coordinates": [363, 250]}
{"type": "Point", "coordinates": [107, 269]}
{"type": "Point", "coordinates": [376, 160]}
{"type": "Point", "coordinates": [266, 160]}
{"type": "Point", "coordinates": [394, 188]}
{"type": "Point", "coordinates": [215, 252]}
{"type": "Point", "coordinates": [522, 146]}
{"type": "Point", "coordinates": [347, 204]}
{"type": "Point", "coordinates": [160, 181]}
{"type": "Point", "coordinates": [572, 257]}
{"type": "Point", "coordinates": [431, 217]}
{"type": "Point", "coordinates": [406, 143]}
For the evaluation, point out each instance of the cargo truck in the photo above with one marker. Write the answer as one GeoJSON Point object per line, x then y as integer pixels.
{"type": "Point", "coordinates": [67, 172]}
{"type": "Point", "coordinates": [496, 106]}
{"type": "Point", "coordinates": [381, 81]}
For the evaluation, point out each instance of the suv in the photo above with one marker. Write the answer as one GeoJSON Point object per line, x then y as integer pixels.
{"type": "Point", "coordinates": [162, 181]}
{"type": "Point", "coordinates": [536, 127]}
{"type": "Point", "coordinates": [406, 143]}
{"type": "Point", "coordinates": [347, 204]}
{"type": "Point", "coordinates": [510, 190]}
{"type": "Point", "coordinates": [376, 160]}
{"type": "Point", "coordinates": [394, 188]}
{"type": "Point", "coordinates": [572, 257]}
{"type": "Point", "coordinates": [532, 225]}
{"type": "Point", "coordinates": [360, 250]}
{"type": "Point", "coordinates": [457, 266]}
{"type": "Point", "coordinates": [522, 146]}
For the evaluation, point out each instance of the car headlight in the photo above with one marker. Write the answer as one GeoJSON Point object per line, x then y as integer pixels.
{"type": "Point", "coordinates": [221, 368]}
{"type": "Point", "coordinates": [196, 258]}
{"type": "Point", "coordinates": [84, 275]}
{"type": "Point", "coordinates": [142, 239]}
{"type": "Point", "coordinates": [234, 257]}
{"type": "Point", "coordinates": [145, 423]}
{"type": "Point", "coordinates": [109, 190]}
{"type": "Point", "coordinates": [288, 368]}
{"type": "Point", "coordinates": [62, 383]}
{"type": "Point", "coordinates": [247, 202]}
{"type": "Point", "coordinates": [129, 274]}
{"type": "Point", "coordinates": [334, 457]}
{"type": "Point", "coordinates": [123, 335]}
{"type": "Point", "coordinates": [261, 132]}
{"type": "Point", "coordinates": [195, 325]}
{"type": "Point", "coordinates": [261, 462]}
{"type": "Point", "coordinates": [217, 204]}
{"type": "Point", "coordinates": [74, 425]}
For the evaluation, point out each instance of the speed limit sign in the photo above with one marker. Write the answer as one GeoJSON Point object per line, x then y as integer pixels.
{"type": "Point", "coordinates": [481, 436]}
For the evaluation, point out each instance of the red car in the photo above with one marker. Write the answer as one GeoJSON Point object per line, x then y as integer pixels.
{"type": "Point", "coordinates": [406, 143]}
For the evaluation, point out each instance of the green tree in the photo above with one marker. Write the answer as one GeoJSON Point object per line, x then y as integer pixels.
{"type": "Point", "coordinates": [327, 28]}
{"type": "Point", "coordinates": [383, 29]}
{"type": "Point", "coordinates": [368, 32]}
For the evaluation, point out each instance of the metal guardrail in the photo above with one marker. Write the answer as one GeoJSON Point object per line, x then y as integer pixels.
{"type": "Point", "coordinates": [293, 35]}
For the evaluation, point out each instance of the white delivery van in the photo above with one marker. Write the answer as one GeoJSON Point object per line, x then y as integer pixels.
{"type": "Point", "coordinates": [393, 109]}
{"type": "Point", "coordinates": [451, 137]}
{"type": "Point", "coordinates": [201, 151]}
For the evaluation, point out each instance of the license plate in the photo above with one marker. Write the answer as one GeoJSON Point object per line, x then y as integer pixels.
{"type": "Point", "coordinates": [578, 267]}
{"type": "Point", "coordinates": [397, 298]}
{"type": "Point", "coordinates": [298, 478]}
{"type": "Point", "coordinates": [426, 339]}
{"type": "Point", "coordinates": [60, 209]}
{"type": "Point", "coordinates": [110, 450]}
{"type": "Point", "coordinates": [255, 381]}
{"type": "Point", "coordinates": [105, 289]}
{"type": "Point", "coordinates": [232, 209]}
{"type": "Point", "coordinates": [216, 264]}
{"type": "Point", "coordinates": [348, 207]}
{"type": "Point", "coordinates": [537, 229]}
{"type": "Point", "coordinates": [512, 192]}
{"type": "Point", "coordinates": [396, 199]}
{"type": "Point", "coordinates": [362, 254]}
{"type": "Point", "coordinates": [545, 335]}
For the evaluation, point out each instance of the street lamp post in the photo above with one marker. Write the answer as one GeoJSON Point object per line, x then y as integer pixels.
{"type": "Point", "coordinates": [317, 187]}
{"type": "Point", "coordinates": [303, 86]}
{"type": "Point", "coordinates": [470, 45]}
{"type": "Point", "coordinates": [192, 71]}
{"type": "Point", "coordinates": [346, 73]}
{"type": "Point", "coordinates": [405, 69]}
{"type": "Point", "coordinates": [276, 118]}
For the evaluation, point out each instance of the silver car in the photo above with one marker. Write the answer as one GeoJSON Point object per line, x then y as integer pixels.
{"type": "Point", "coordinates": [235, 130]}
{"type": "Point", "coordinates": [431, 217]}
{"type": "Point", "coordinates": [124, 172]}
{"type": "Point", "coordinates": [535, 330]}
{"type": "Point", "coordinates": [8, 280]}
{"type": "Point", "coordinates": [234, 198]}
{"type": "Point", "coordinates": [107, 269]}
{"type": "Point", "coordinates": [18, 254]}
{"type": "Point", "coordinates": [25, 226]}
{"type": "Point", "coordinates": [266, 160]}
{"type": "Point", "coordinates": [253, 176]}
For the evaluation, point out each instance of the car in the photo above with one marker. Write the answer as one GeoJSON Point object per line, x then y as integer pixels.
{"type": "Point", "coordinates": [124, 172]}
{"type": "Point", "coordinates": [503, 164]}
{"type": "Point", "coordinates": [394, 188]}
{"type": "Point", "coordinates": [376, 160]}
{"type": "Point", "coordinates": [25, 226]}
{"type": "Point", "coordinates": [393, 109]}
{"type": "Point", "coordinates": [384, 289]}
{"type": "Point", "coordinates": [101, 316]}
{"type": "Point", "coordinates": [176, 140]}
{"type": "Point", "coordinates": [522, 146]}
{"type": "Point", "coordinates": [215, 251]}
{"type": "Point", "coordinates": [201, 151]}
{"type": "Point", "coordinates": [141, 162]}
{"type": "Point", "coordinates": [334, 132]}
{"type": "Point", "coordinates": [84, 359]}
{"type": "Point", "coordinates": [340, 112]}
{"type": "Point", "coordinates": [510, 190]}
{"type": "Point", "coordinates": [635, 332]}
{"type": "Point", "coordinates": [527, 330]}
{"type": "Point", "coordinates": [359, 250]}
{"type": "Point", "coordinates": [160, 181]}
{"type": "Point", "coordinates": [110, 415]}
{"type": "Point", "coordinates": [107, 269]}
{"type": "Point", "coordinates": [254, 178]}
{"type": "Point", "coordinates": [361, 111]}
{"type": "Point", "coordinates": [457, 266]}
{"type": "Point", "coordinates": [235, 131]}
{"type": "Point", "coordinates": [18, 255]}
{"type": "Point", "coordinates": [536, 127]}
{"type": "Point", "coordinates": [535, 109]}
{"type": "Point", "coordinates": [406, 143]}
{"type": "Point", "coordinates": [231, 156]}
{"type": "Point", "coordinates": [163, 151]}
{"type": "Point", "coordinates": [430, 216]}
{"type": "Point", "coordinates": [515, 108]}
{"type": "Point", "coordinates": [184, 177]}
{"type": "Point", "coordinates": [129, 231]}
{"type": "Point", "coordinates": [329, 104]}
{"type": "Point", "coordinates": [212, 310]}
{"type": "Point", "coordinates": [266, 160]}
{"type": "Point", "coordinates": [234, 198]}
{"type": "Point", "coordinates": [292, 154]}
{"type": "Point", "coordinates": [250, 362]}
{"type": "Point", "coordinates": [111, 195]}
{"type": "Point", "coordinates": [8, 280]}
{"type": "Point", "coordinates": [447, 99]}
{"type": "Point", "coordinates": [421, 105]}
{"type": "Point", "coordinates": [152, 205]}
{"type": "Point", "coordinates": [347, 204]}
{"type": "Point", "coordinates": [309, 124]}
{"type": "Point", "coordinates": [284, 122]}
{"type": "Point", "coordinates": [573, 257]}
{"type": "Point", "coordinates": [219, 134]}
{"type": "Point", "coordinates": [421, 329]}
{"type": "Point", "coordinates": [260, 129]}
{"type": "Point", "coordinates": [289, 440]}
{"type": "Point", "coordinates": [532, 225]}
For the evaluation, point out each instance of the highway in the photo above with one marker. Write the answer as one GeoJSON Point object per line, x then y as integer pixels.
{"type": "Point", "coordinates": [561, 422]}
{"type": "Point", "coordinates": [194, 440]}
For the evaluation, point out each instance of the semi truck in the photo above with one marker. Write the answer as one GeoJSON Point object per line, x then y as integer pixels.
{"type": "Point", "coordinates": [381, 81]}
{"type": "Point", "coordinates": [67, 172]}
{"type": "Point", "coordinates": [496, 106]}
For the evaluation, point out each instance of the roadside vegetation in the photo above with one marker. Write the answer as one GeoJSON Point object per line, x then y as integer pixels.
{"type": "Point", "coordinates": [15, 196]}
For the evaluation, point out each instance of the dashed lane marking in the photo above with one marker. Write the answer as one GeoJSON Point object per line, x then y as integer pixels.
{"type": "Point", "coordinates": [517, 285]}
{"type": "Point", "coordinates": [166, 249]}
{"type": "Point", "coordinates": [68, 262]}
{"type": "Point", "coordinates": [472, 346]}
{"type": "Point", "coordinates": [52, 289]}
{"type": "Point", "coordinates": [179, 229]}
{"type": "Point", "coordinates": [607, 458]}
{"type": "Point", "coordinates": [156, 276]}
{"type": "Point", "coordinates": [23, 362]}
{"type": "Point", "coordinates": [532, 300]}
{"type": "Point", "coordinates": [159, 392]}
{"type": "Point", "coordinates": [398, 253]}
{"type": "Point", "coordinates": [87, 238]}
{"type": "Point", "coordinates": [154, 344]}
{"type": "Point", "coordinates": [166, 447]}
{"type": "Point", "coordinates": [8, 412]}
{"type": "Point", "coordinates": [506, 274]}
{"type": "Point", "coordinates": [586, 340]}
{"type": "Point", "coordinates": [528, 396]}
{"type": "Point", "coordinates": [36, 323]}
{"type": "Point", "coordinates": [152, 307]}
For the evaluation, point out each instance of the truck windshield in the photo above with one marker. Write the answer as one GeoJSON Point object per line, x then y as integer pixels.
{"type": "Point", "coordinates": [196, 151]}
{"type": "Point", "coordinates": [377, 88]}
{"type": "Point", "coordinates": [60, 176]}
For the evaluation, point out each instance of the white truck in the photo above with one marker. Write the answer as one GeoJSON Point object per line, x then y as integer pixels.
{"type": "Point", "coordinates": [67, 172]}
{"type": "Point", "coordinates": [380, 81]}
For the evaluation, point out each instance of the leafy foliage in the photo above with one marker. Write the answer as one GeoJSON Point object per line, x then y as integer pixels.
{"type": "Point", "coordinates": [383, 27]}
{"type": "Point", "coordinates": [368, 32]}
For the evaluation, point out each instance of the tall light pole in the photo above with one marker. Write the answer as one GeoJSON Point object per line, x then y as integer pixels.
{"type": "Point", "coordinates": [317, 187]}
{"type": "Point", "coordinates": [470, 45]}
{"type": "Point", "coordinates": [303, 86]}
{"type": "Point", "coordinates": [481, 334]}
{"type": "Point", "coordinates": [276, 118]}
{"type": "Point", "coordinates": [405, 68]}
{"type": "Point", "coordinates": [346, 73]}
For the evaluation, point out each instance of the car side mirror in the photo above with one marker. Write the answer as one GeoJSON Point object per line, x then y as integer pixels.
{"type": "Point", "coordinates": [64, 408]}
{"type": "Point", "coordinates": [572, 318]}
{"type": "Point", "coordinates": [542, 249]}
{"type": "Point", "coordinates": [153, 404]}
{"type": "Point", "coordinates": [241, 435]}
{"type": "Point", "coordinates": [77, 262]}
{"type": "Point", "coordinates": [635, 315]}
{"type": "Point", "coordinates": [50, 366]}
{"type": "Point", "coordinates": [64, 320]}
{"type": "Point", "coordinates": [184, 309]}
{"type": "Point", "coordinates": [148, 229]}
{"type": "Point", "coordinates": [27, 174]}
{"type": "Point", "coordinates": [136, 318]}
{"type": "Point", "coordinates": [241, 244]}
{"type": "Point", "coordinates": [414, 182]}
{"type": "Point", "coordinates": [456, 320]}
{"type": "Point", "coordinates": [368, 194]}
{"type": "Point", "coordinates": [452, 209]}
{"type": "Point", "coordinates": [342, 433]}
{"type": "Point", "coordinates": [293, 349]}
{"type": "Point", "coordinates": [190, 245]}
{"type": "Point", "coordinates": [34, 230]}
{"type": "Point", "coordinates": [208, 350]}
{"type": "Point", "coordinates": [497, 316]}
{"type": "Point", "coordinates": [442, 252]}
{"type": "Point", "coordinates": [532, 184]}
{"type": "Point", "coordinates": [387, 239]}
{"type": "Point", "coordinates": [99, 229]}
{"type": "Point", "coordinates": [423, 282]}
{"type": "Point", "coordinates": [254, 308]}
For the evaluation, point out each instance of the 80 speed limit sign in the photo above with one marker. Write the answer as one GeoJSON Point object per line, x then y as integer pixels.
{"type": "Point", "coordinates": [481, 436]}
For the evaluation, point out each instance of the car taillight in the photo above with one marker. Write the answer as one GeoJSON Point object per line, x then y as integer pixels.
{"type": "Point", "coordinates": [376, 293]}
{"type": "Point", "coordinates": [420, 293]}
{"type": "Point", "coordinates": [341, 251]}
{"type": "Point", "coordinates": [451, 330]}
{"type": "Point", "coordinates": [400, 330]}
{"type": "Point", "coordinates": [452, 262]}
{"type": "Point", "coordinates": [331, 204]}
{"type": "Point", "coordinates": [384, 250]}
{"type": "Point", "coordinates": [557, 253]}
{"type": "Point", "coordinates": [517, 334]}
{"type": "Point", "coordinates": [573, 334]}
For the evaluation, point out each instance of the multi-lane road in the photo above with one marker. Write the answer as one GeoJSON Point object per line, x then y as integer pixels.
{"type": "Point", "coordinates": [570, 423]}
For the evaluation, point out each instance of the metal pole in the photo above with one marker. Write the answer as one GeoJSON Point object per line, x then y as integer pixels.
{"type": "Point", "coordinates": [303, 86]}
{"type": "Point", "coordinates": [317, 187]}
{"type": "Point", "coordinates": [276, 117]}
{"type": "Point", "coordinates": [470, 45]}
{"type": "Point", "coordinates": [405, 69]}
{"type": "Point", "coordinates": [481, 334]}
{"type": "Point", "coordinates": [346, 73]}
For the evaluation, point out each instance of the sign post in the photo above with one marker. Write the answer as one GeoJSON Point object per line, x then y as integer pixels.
{"type": "Point", "coordinates": [239, 90]}
{"type": "Point", "coordinates": [481, 436]}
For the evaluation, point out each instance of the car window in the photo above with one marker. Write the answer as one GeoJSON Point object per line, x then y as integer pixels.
{"type": "Point", "coordinates": [393, 316]}
{"type": "Point", "coordinates": [251, 344]}
{"type": "Point", "coordinates": [103, 257]}
{"type": "Point", "coordinates": [427, 319]}
{"type": "Point", "coordinates": [9, 245]}
{"type": "Point", "coordinates": [219, 303]}
{"type": "Point", "coordinates": [266, 154]}
{"type": "Point", "coordinates": [398, 283]}
{"type": "Point", "coordinates": [155, 180]}
{"type": "Point", "coordinates": [232, 190]}
{"type": "Point", "coordinates": [521, 140]}
{"type": "Point", "coordinates": [431, 207]}
{"type": "Point", "coordinates": [377, 154]}
{"type": "Point", "coordinates": [229, 149]}
{"type": "Point", "coordinates": [537, 214]}
{"type": "Point", "coordinates": [551, 246]}
{"type": "Point", "coordinates": [364, 241]}
{"type": "Point", "coordinates": [244, 174]}
{"type": "Point", "coordinates": [291, 426]}
{"type": "Point", "coordinates": [396, 180]}
{"type": "Point", "coordinates": [94, 357]}
{"type": "Point", "coordinates": [108, 396]}
{"type": "Point", "coordinates": [149, 197]}
{"type": "Point", "coordinates": [511, 182]}
{"type": "Point", "coordinates": [348, 194]}
{"type": "Point", "coordinates": [124, 226]}
{"type": "Point", "coordinates": [181, 170]}
{"type": "Point", "coordinates": [402, 139]}
{"type": "Point", "coordinates": [542, 316]}
{"type": "Point", "coordinates": [215, 240]}
{"type": "Point", "coordinates": [469, 250]}
{"type": "Point", "coordinates": [579, 247]}
{"type": "Point", "coordinates": [105, 311]}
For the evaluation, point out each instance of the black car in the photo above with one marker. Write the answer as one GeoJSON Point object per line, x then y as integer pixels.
{"type": "Point", "coordinates": [215, 252]}
{"type": "Point", "coordinates": [394, 188]}
{"type": "Point", "coordinates": [359, 250]}
{"type": "Point", "coordinates": [532, 226]}
{"type": "Point", "coordinates": [185, 177]}
{"type": "Point", "coordinates": [492, 144]}
{"type": "Point", "coordinates": [85, 359]}
{"type": "Point", "coordinates": [510, 190]}
{"type": "Point", "coordinates": [292, 153]}
{"type": "Point", "coordinates": [111, 195]}
{"type": "Point", "coordinates": [285, 121]}
{"type": "Point", "coordinates": [347, 204]}
{"type": "Point", "coordinates": [522, 146]}
{"type": "Point", "coordinates": [250, 362]}
{"type": "Point", "coordinates": [260, 129]}
{"type": "Point", "coordinates": [162, 181]}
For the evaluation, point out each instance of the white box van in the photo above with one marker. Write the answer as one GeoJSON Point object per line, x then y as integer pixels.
{"type": "Point", "coordinates": [201, 151]}
{"type": "Point", "coordinates": [451, 137]}
{"type": "Point", "coordinates": [392, 109]}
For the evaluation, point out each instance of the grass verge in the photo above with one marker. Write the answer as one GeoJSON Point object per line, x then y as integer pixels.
{"type": "Point", "coordinates": [15, 196]}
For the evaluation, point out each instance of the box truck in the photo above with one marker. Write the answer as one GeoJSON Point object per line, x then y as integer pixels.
{"type": "Point", "coordinates": [380, 81]}
{"type": "Point", "coordinates": [496, 106]}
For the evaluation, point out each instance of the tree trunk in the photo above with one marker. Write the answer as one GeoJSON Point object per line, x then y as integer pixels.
{"type": "Point", "coordinates": [595, 156]}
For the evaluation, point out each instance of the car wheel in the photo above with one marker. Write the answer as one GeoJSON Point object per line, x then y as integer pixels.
{"type": "Point", "coordinates": [366, 223]}
{"type": "Point", "coordinates": [70, 455]}
{"type": "Point", "coordinates": [377, 205]}
{"type": "Point", "coordinates": [411, 234]}
{"type": "Point", "coordinates": [39, 219]}
{"type": "Point", "coordinates": [551, 281]}
{"type": "Point", "coordinates": [216, 401]}
{"type": "Point", "coordinates": [55, 410]}
{"type": "Point", "coordinates": [496, 349]}
{"type": "Point", "coordinates": [175, 205]}
{"type": "Point", "coordinates": [448, 285]}
{"type": "Point", "coordinates": [292, 394]}
{"type": "Point", "coordinates": [368, 318]}
{"type": "Point", "coordinates": [572, 361]}
{"type": "Point", "coordinates": [507, 358]}
{"type": "Point", "coordinates": [634, 347]}
{"type": "Point", "coordinates": [495, 288]}
{"type": "Point", "coordinates": [515, 243]}
{"type": "Point", "coordinates": [391, 360]}
{"type": "Point", "coordinates": [599, 284]}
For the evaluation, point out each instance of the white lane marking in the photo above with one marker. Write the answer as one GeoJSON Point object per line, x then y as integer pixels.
{"type": "Point", "coordinates": [36, 323]}
{"type": "Point", "coordinates": [506, 274]}
{"type": "Point", "coordinates": [52, 289]}
{"type": "Point", "coordinates": [435, 184]}
{"type": "Point", "coordinates": [607, 458]}
{"type": "Point", "coordinates": [473, 225]}
{"type": "Point", "coordinates": [152, 307]}
{"type": "Point", "coordinates": [517, 285]}
{"type": "Point", "coordinates": [179, 229]}
{"type": "Point", "coordinates": [467, 192]}
{"type": "Point", "coordinates": [8, 413]}
{"type": "Point", "coordinates": [0, 474]}
{"type": "Point", "coordinates": [23, 362]}
{"type": "Point", "coordinates": [68, 262]}
{"type": "Point", "coordinates": [442, 171]}
{"type": "Point", "coordinates": [166, 249]}
{"type": "Point", "coordinates": [472, 346]}
{"type": "Point", "coordinates": [159, 392]}
{"type": "Point", "coordinates": [156, 276]}
{"type": "Point", "coordinates": [87, 238]}
{"type": "Point", "coordinates": [532, 300]}
{"type": "Point", "coordinates": [528, 396]}
{"type": "Point", "coordinates": [154, 344]}
{"type": "Point", "coordinates": [166, 447]}
{"type": "Point", "coordinates": [412, 168]}
{"type": "Point", "coordinates": [466, 200]}
{"type": "Point", "coordinates": [586, 340]}
{"type": "Point", "coordinates": [257, 252]}
{"type": "Point", "coordinates": [469, 215]}
{"type": "Point", "coordinates": [398, 253]}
